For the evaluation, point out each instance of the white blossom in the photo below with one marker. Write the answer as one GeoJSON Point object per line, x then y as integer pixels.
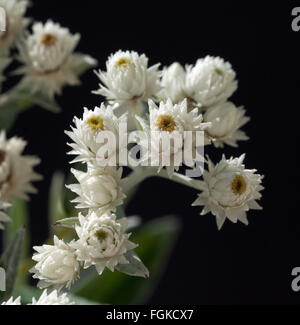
{"type": "Point", "coordinates": [226, 120]}
{"type": "Point", "coordinates": [49, 61]}
{"type": "Point", "coordinates": [16, 170]}
{"type": "Point", "coordinates": [85, 134]}
{"type": "Point", "coordinates": [128, 78]}
{"type": "Point", "coordinates": [103, 241]}
{"type": "Point", "coordinates": [15, 23]}
{"type": "Point", "coordinates": [56, 265]}
{"type": "Point", "coordinates": [53, 298]}
{"type": "Point", "coordinates": [99, 189]}
{"type": "Point", "coordinates": [173, 83]}
{"type": "Point", "coordinates": [229, 190]}
{"type": "Point", "coordinates": [210, 81]}
{"type": "Point", "coordinates": [170, 121]}
{"type": "Point", "coordinates": [11, 301]}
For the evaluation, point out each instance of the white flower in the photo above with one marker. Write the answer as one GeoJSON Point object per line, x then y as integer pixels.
{"type": "Point", "coordinates": [170, 121]}
{"type": "Point", "coordinates": [15, 23]}
{"type": "Point", "coordinates": [128, 78]}
{"type": "Point", "coordinates": [103, 241]}
{"type": "Point", "coordinates": [56, 265]}
{"type": "Point", "coordinates": [173, 83]}
{"type": "Point", "coordinates": [226, 120]}
{"type": "Point", "coordinates": [53, 298]}
{"type": "Point", "coordinates": [16, 170]}
{"type": "Point", "coordinates": [210, 81]}
{"type": "Point", "coordinates": [87, 129]}
{"type": "Point", "coordinates": [12, 302]}
{"type": "Point", "coordinates": [49, 60]}
{"type": "Point", "coordinates": [3, 216]}
{"type": "Point", "coordinates": [99, 189]}
{"type": "Point", "coordinates": [229, 190]}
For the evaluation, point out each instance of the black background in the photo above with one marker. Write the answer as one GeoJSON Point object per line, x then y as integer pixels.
{"type": "Point", "coordinates": [239, 264]}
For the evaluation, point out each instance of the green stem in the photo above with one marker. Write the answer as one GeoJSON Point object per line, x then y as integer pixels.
{"type": "Point", "coordinates": [139, 174]}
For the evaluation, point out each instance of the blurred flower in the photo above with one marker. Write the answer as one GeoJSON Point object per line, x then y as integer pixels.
{"type": "Point", "coordinates": [128, 78]}
{"type": "Point", "coordinates": [229, 190]}
{"type": "Point", "coordinates": [11, 301]}
{"type": "Point", "coordinates": [170, 121]}
{"type": "Point", "coordinates": [87, 129]}
{"type": "Point", "coordinates": [49, 61]}
{"type": "Point", "coordinates": [99, 189]}
{"type": "Point", "coordinates": [226, 120]}
{"type": "Point", "coordinates": [56, 265]}
{"type": "Point", "coordinates": [210, 81]}
{"type": "Point", "coordinates": [15, 23]}
{"type": "Point", "coordinates": [3, 216]}
{"type": "Point", "coordinates": [53, 298]}
{"type": "Point", "coordinates": [102, 242]}
{"type": "Point", "coordinates": [16, 170]}
{"type": "Point", "coordinates": [173, 83]}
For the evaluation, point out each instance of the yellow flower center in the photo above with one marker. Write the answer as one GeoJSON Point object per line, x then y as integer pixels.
{"type": "Point", "coordinates": [101, 235]}
{"type": "Point", "coordinates": [166, 122]}
{"type": "Point", "coordinates": [48, 39]}
{"type": "Point", "coordinates": [239, 185]}
{"type": "Point", "coordinates": [219, 72]}
{"type": "Point", "coordinates": [122, 63]}
{"type": "Point", "coordinates": [95, 123]}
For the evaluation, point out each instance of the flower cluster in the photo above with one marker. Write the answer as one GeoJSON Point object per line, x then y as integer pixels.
{"type": "Point", "coordinates": [53, 298]}
{"type": "Point", "coordinates": [194, 98]}
{"type": "Point", "coordinates": [103, 240]}
{"type": "Point", "coordinates": [157, 106]}
{"type": "Point", "coordinates": [46, 53]}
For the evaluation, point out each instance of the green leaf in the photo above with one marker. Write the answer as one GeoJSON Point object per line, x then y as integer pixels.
{"type": "Point", "coordinates": [156, 240]}
{"type": "Point", "coordinates": [19, 218]}
{"type": "Point", "coordinates": [56, 209]}
{"type": "Point", "coordinates": [11, 105]}
{"type": "Point", "coordinates": [67, 223]}
{"type": "Point", "coordinates": [135, 267]}
{"type": "Point", "coordinates": [10, 260]}
{"type": "Point", "coordinates": [18, 213]}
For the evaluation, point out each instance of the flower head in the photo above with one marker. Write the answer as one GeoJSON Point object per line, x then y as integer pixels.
{"type": "Point", "coordinates": [99, 189]}
{"type": "Point", "coordinates": [173, 83]}
{"type": "Point", "coordinates": [49, 60]}
{"type": "Point", "coordinates": [53, 298]}
{"type": "Point", "coordinates": [11, 301]}
{"type": "Point", "coordinates": [16, 170]}
{"type": "Point", "coordinates": [57, 265]}
{"type": "Point", "coordinates": [15, 23]}
{"type": "Point", "coordinates": [128, 77]}
{"type": "Point", "coordinates": [164, 132]}
{"type": "Point", "coordinates": [210, 81]}
{"type": "Point", "coordinates": [85, 134]}
{"type": "Point", "coordinates": [226, 120]}
{"type": "Point", "coordinates": [229, 190]}
{"type": "Point", "coordinates": [103, 241]}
